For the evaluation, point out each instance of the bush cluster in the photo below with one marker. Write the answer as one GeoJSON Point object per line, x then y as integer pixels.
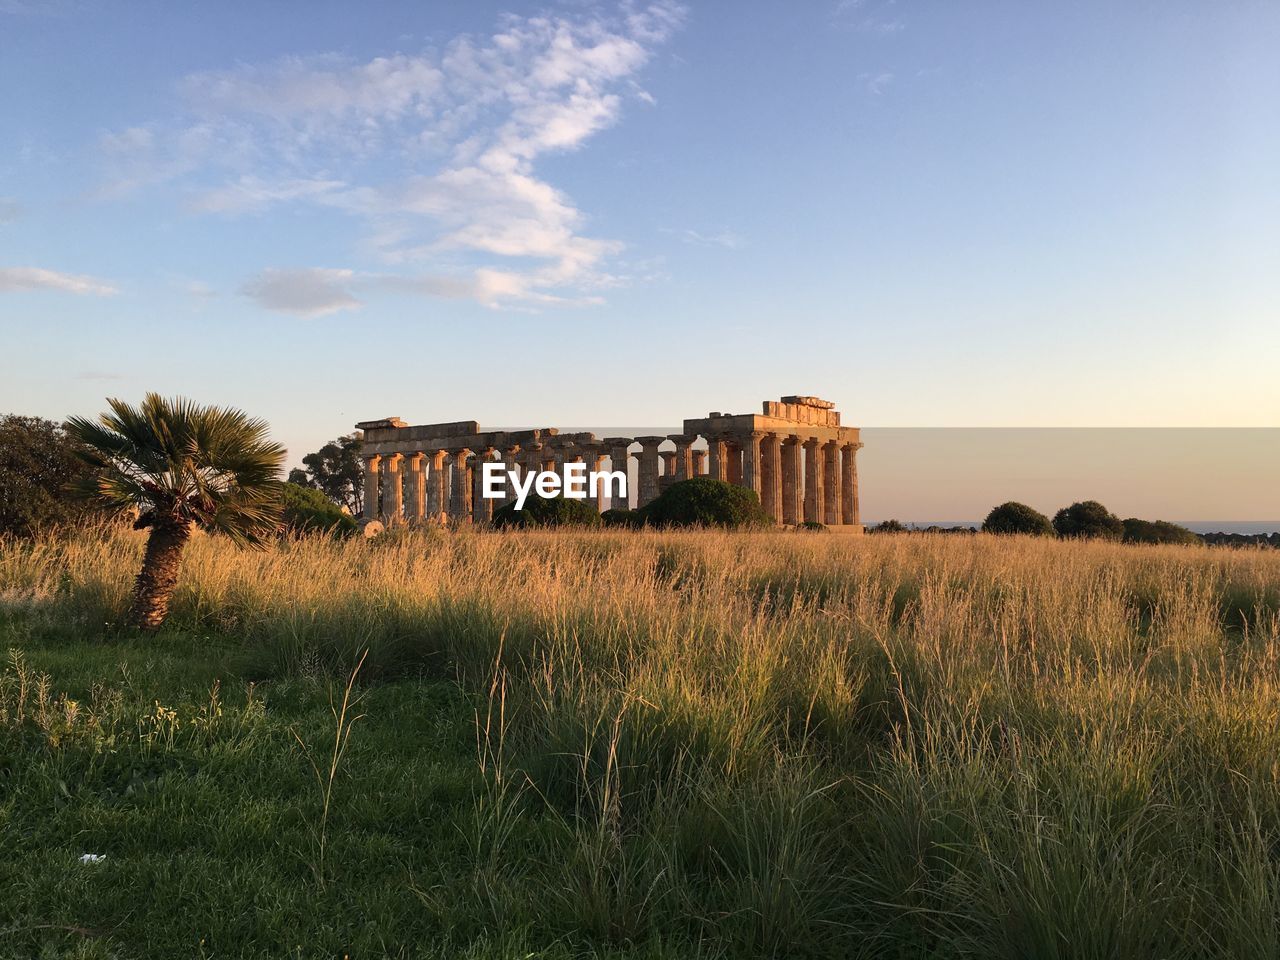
{"type": "Point", "coordinates": [37, 461]}
{"type": "Point", "coordinates": [307, 510]}
{"type": "Point", "coordinates": [1013, 517]}
{"type": "Point", "coordinates": [699, 502]}
{"type": "Point", "coordinates": [704, 502]}
{"type": "Point", "coordinates": [1088, 520]}
{"type": "Point", "coordinates": [1157, 531]}
{"type": "Point", "coordinates": [1085, 520]}
{"type": "Point", "coordinates": [547, 512]}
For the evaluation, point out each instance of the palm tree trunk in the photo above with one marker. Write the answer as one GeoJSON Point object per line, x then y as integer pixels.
{"type": "Point", "coordinates": [159, 575]}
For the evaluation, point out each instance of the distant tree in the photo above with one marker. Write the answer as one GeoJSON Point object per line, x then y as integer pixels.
{"type": "Point", "coordinates": [547, 512]}
{"type": "Point", "coordinates": [622, 517]}
{"type": "Point", "coordinates": [38, 458]}
{"type": "Point", "coordinates": [336, 471]}
{"type": "Point", "coordinates": [1088, 520]}
{"type": "Point", "coordinates": [1157, 531]}
{"type": "Point", "coordinates": [1223, 539]}
{"type": "Point", "coordinates": [183, 467]}
{"type": "Point", "coordinates": [704, 502]}
{"type": "Point", "coordinates": [1013, 517]}
{"type": "Point", "coordinates": [307, 510]}
{"type": "Point", "coordinates": [888, 526]}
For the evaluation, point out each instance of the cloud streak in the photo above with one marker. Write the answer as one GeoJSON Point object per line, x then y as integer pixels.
{"type": "Point", "coordinates": [876, 83]}
{"type": "Point", "coordinates": [468, 126]}
{"type": "Point", "coordinates": [312, 292]}
{"type": "Point", "coordinates": [17, 279]}
{"type": "Point", "coordinates": [868, 17]}
{"type": "Point", "coordinates": [723, 238]}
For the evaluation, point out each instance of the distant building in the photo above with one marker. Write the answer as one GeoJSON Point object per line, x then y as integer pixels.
{"type": "Point", "coordinates": [794, 454]}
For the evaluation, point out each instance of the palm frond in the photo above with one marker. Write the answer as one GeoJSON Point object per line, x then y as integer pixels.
{"type": "Point", "coordinates": [215, 467]}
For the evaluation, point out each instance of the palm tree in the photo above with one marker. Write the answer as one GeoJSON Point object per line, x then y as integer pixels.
{"type": "Point", "coordinates": [181, 466]}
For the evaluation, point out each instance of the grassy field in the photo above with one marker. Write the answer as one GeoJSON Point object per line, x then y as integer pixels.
{"type": "Point", "coordinates": [643, 745]}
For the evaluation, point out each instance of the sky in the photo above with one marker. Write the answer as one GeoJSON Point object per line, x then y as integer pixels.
{"type": "Point", "coordinates": [1214, 478]}
{"type": "Point", "coordinates": [934, 214]}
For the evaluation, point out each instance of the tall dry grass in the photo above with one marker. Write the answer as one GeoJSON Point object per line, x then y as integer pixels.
{"type": "Point", "coordinates": [803, 744]}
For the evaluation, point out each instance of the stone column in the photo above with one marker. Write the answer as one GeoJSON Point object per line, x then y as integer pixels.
{"type": "Point", "coordinates": [791, 480]}
{"type": "Point", "coordinates": [698, 462]}
{"type": "Point", "coordinates": [586, 453]}
{"type": "Point", "coordinates": [647, 481]}
{"type": "Point", "coordinates": [668, 463]}
{"type": "Point", "coordinates": [417, 487]}
{"type": "Point", "coordinates": [751, 460]}
{"type": "Point", "coordinates": [392, 490]}
{"type": "Point", "coordinates": [849, 484]}
{"type": "Point", "coordinates": [550, 462]}
{"type": "Point", "coordinates": [683, 461]}
{"type": "Point", "coordinates": [460, 490]}
{"type": "Point", "coordinates": [372, 468]}
{"type": "Point", "coordinates": [532, 459]}
{"type": "Point", "coordinates": [481, 507]}
{"type": "Point", "coordinates": [733, 470]}
{"type": "Point", "coordinates": [595, 462]}
{"type": "Point", "coordinates": [812, 500]}
{"type": "Point", "coordinates": [718, 455]}
{"type": "Point", "coordinates": [620, 459]}
{"type": "Point", "coordinates": [438, 487]}
{"type": "Point", "coordinates": [510, 457]}
{"type": "Point", "coordinates": [771, 476]}
{"type": "Point", "coordinates": [580, 454]}
{"type": "Point", "coordinates": [831, 483]}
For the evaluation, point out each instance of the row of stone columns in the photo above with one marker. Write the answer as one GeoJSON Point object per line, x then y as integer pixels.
{"type": "Point", "coordinates": [448, 485]}
{"type": "Point", "coordinates": [798, 479]}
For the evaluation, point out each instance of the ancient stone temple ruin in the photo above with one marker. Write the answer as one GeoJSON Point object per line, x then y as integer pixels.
{"type": "Point", "coordinates": [794, 454]}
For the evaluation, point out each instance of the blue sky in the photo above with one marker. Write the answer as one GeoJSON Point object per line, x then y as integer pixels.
{"type": "Point", "coordinates": [935, 214]}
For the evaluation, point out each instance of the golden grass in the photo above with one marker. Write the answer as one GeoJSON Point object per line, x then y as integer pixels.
{"type": "Point", "coordinates": [919, 739]}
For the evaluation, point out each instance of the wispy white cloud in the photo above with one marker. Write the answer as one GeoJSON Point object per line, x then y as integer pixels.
{"type": "Point", "coordinates": [13, 279]}
{"type": "Point", "coordinates": [469, 123]}
{"type": "Point", "coordinates": [317, 291]}
{"type": "Point", "coordinates": [723, 238]}
{"type": "Point", "coordinates": [868, 16]}
{"type": "Point", "coordinates": [876, 83]}
{"type": "Point", "coordinates": [311, 91]}
{"type": "Point", "coordinates": [311, 292]}
{"type": "Point", "coordinates": [251, 194]}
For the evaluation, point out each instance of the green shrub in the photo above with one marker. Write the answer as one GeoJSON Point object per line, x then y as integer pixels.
{"type": "Point", "coordinates": [1088, 520]}
{"type": "Point", "coordinates": [1157, 531]}
{"type": "Point", "coordinates": [813, 525]}
{"type": "Point", "coordinates": [888, 526]}
{"type": "Point", "coordinates": [37, 461]}
{"type": "Point", "coordinates": [1013, 517]}
{"type": "Point", "coordinates": [547, 512]}
{"type": "Point", "coordinates": [704, 502]}
{"type": "Point", "coordinates": [618, 517]}
{"type": "Point", "coordinates": [307, 510]}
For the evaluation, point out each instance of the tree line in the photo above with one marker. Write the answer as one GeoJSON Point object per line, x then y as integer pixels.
{"type": "Point", "coordinates": [1086, 520]}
